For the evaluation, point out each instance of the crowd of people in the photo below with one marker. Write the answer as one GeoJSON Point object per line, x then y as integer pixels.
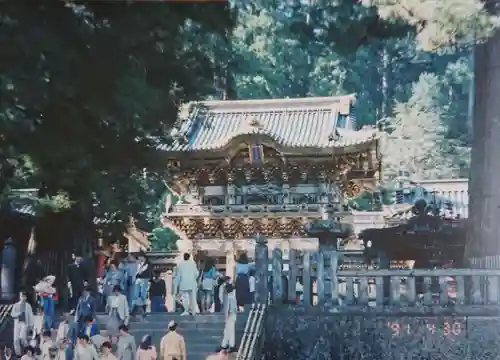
{"type": "Point", "coordinates": [125, 290]}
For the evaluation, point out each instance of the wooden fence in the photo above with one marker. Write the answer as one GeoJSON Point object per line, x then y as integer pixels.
{"type": "Point", "coordinates": [323, 281]}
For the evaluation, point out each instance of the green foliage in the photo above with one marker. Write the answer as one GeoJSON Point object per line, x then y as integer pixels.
{"type": "Point", "coordinates": [163, 239]}
{"type": "Point", "coordinates": [417, 138]}
{"type": "Point", "coordinates": [88, 89]}
{"type": "Point", "coordinates": [440, 23]}
{"type": "Point", "coordinates": [395, 82]}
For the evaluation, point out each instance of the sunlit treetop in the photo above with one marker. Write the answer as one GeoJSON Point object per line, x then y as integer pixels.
{"type": "Point", "coordinates": [440, 23]}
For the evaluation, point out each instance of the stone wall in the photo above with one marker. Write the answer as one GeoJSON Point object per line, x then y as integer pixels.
{"type": "Point", "coordinates": [300, 334]}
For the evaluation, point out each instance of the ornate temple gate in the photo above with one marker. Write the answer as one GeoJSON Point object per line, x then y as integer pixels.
{"type": "Point", "coordinates": [278, 169]}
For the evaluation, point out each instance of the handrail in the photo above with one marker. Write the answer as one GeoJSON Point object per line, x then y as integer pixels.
{"type": "Point", "coordinates": [253, 332]}
{"type": "Point", "coordinates": [5, 319]}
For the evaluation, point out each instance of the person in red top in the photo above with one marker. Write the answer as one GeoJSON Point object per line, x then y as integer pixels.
{"type": "Point", "coordinates": [48, 297]}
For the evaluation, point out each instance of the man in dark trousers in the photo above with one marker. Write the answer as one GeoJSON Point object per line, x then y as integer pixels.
{"type": "Point", "coordinates": [157, 293]}
{"type": "Point", "coordinates": [77, 279]}
{"type": "Point", "coordinates": [85, 309]}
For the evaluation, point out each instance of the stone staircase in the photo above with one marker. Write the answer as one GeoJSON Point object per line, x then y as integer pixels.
{"type": "Point", "coordinates": [202, 333]}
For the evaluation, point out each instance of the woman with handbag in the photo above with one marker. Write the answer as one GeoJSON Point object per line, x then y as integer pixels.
{"type": "Point", "coordinates": [208, 278]}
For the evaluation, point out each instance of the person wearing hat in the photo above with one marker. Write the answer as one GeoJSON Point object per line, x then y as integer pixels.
{"type": "Point", "coordinates": [172, 345]}
{"type": "Point", "coordinates": [118, 311]}
{"type": "Point", "coordinates": [86, 308]}
{"type": "Point", "coordinates": [23, 322]}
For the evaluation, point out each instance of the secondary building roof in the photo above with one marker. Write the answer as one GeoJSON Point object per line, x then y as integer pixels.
{"type": "Point", "coordinates": [319, 122]}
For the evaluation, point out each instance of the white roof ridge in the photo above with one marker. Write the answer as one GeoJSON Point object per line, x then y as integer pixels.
{"type": "Point", "coordinates": [257, 105]}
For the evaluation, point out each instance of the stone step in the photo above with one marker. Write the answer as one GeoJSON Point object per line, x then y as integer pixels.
{"type": "Point", "coordinates": [196, 335]}
{"type": "Point", "coordinates": [206, 318]}
{"type": "Point", "coordinates": [202, 332]}
{"type": "Point", "coordinates": [155, 326]}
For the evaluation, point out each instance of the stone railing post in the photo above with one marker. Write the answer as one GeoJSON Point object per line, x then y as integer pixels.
{"type": "Point", "coordinates": [277, 276]}
{"type": "Point", "coordinates": [261, 270]}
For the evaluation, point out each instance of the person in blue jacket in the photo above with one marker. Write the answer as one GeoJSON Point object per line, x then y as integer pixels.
{"type": "Point", "coordinates": [91, 328]}
{"type": "Point", "coordinates": [86, 308]}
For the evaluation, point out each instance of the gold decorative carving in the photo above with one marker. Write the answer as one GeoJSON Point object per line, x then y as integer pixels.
{"type": "Point", "coordinates": [350, 189]}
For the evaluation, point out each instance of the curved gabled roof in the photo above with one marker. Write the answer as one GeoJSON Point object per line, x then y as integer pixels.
{"type": "Point", "coordinates": [305, 123]}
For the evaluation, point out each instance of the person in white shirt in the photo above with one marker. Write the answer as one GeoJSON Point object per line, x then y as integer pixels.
{"type": "Point", "coordinates": [299, 291]}
{"type": "Point", "coordinates": [186, 284]}
{"type": "Point", "coordinates": [63, 331]}
{"type": "Point", "coordinates": [84, 350]}
{"type": "Point", "coordinates": [230, 311]}
{"type": "Point", "coordinates": [118, 311]}
{"type": "Point", "coordinates": [24, 321]}
{"type": "Point", "coordinates": [46, 344]}
{"type": "Point", "coordinates": [29, 353]}
{"type": "Point", "coordinates": [251, 285]}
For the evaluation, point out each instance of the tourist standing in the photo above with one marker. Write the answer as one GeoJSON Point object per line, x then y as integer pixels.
{"type": "Point", "coordinates": [77, 279]}
{"type": "Point", "coordinates": [112, 278]}
{"type": "Point", "coordinates": [46, 344]}
{"type": "Point", "coordinates": [230, 311]}
{"type": "Point", "coordinates": [242, 282]}
{"type": "Point", "coordinates": [141, 284]}
{"type": "Point", "coordinates": [157, 293]}
{"type": "Point", "coordinates": [220, 292]}
{"type": "Point", "coordinates": [186, 283]}
{"type": "Point", "coordinates": [66, 329]}
{"type": "Point", "coordinates": [23, 322]}
{"type": "Point", "coordinates": [47, 293]}
{"type": "Point", "coordinates": [118, 311]}
{"type": "Point", "coordinates": [62, 352]}
{"type": "Point", "coordinates": [29, 353]}
{"type": "Point", "coordinates": [90, 329]}
{"type": "Point", "coordinates": [146, 350]}
{"type": "Point", "coordinates": [106, 351]}
{"type": "Point", "coordinates": [126, 345]}
{"type": "Point", "coordinates": [251, 285]}
{"type": "Point", "coordinates": [172, 345]}
{"type": "Point", "coordinates": [208, 278]}
{"type": "Point", "coordinates": [84, 350]}
{"type": "Point", "coordinates": [129, 267]}
{"type": "Point", "coordinates": [85, 308]}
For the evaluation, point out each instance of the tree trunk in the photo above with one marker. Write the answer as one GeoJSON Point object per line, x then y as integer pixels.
{"type": "Point", "coordinates": [483, 245]}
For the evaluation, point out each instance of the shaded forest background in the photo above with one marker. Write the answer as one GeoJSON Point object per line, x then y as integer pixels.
{"type": "Point", "coordinates": [88, 89]}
